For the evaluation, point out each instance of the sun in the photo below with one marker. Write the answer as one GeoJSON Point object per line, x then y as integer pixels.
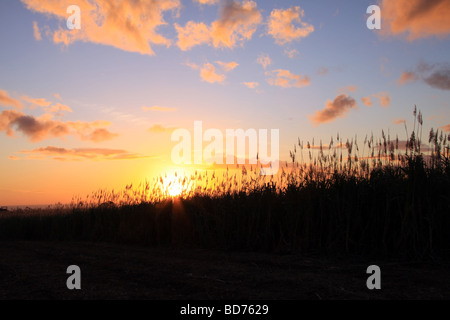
{"type": "Point", "coordinates": [173, 183]}
{"type": "Point", "coordinates": [174, 186]}
{"type": "Point", "coordinates": [175, 189]}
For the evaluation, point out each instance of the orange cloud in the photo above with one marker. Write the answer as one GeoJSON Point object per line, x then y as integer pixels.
{"type": "Point", "coordinates": [264, 60]}
{"type": "Point", "coordinates": [6, 100]}
{"type": "Point", "coordinates": [191, 65]}
{"type": "Point", "coordinates": [47, 105]}
{"type": "Point", "coordinates": [251, 85]}
{"type": "Point", "coordinates": [37, 129]}
{"type": "Point", "coordinates": [208, 74]}
{"type": "Point", "coordinates": [206, 1]}
{"type": "Point", "coordinates": [36, 32]}
{"type": "Point", "coordinates": [227, 66]}
{"type": "Point", "coordinates": [236, 24]}
{"type": "Point", "coordinates": [37, 102]}
{"type": "Point", "coordinates": [367, 101]}
{"type": "Point", "coordinates": [160, 129]}
{"type": "Point", "coordinates": [192, 34]}
{"type": "Point", "coordinates": [446, 128]}
{"type": "Point", "coordinates": [158, 108]}
{"type": "Point", "coordinates": [435, 75]}
{"type": "Point", "coordinates": [208, 71]}
{"type": "Point", "coordinates": [63, 154]}
{"type": "Point", "coordinates": [399, 121]}
{"type": "Point", "coordinates": [285, 79]}
{"type": "Point", "coordinates": [416, 18]}
{"type": "Point", "coordinates": [350, 88]}
{"type": "Point", "coordinates": [407, 77]}
{"type": "Point", "coordinates": [129, 26]}
{"type": "Point", "coordinates": [58, 107]}
{"type": "Point", "coordinates": [281, 25]}
{"type": "Point", "coordinates": [339, 107]}
{"type": "Point", "coordinates": [99, 135]}
{"type": "Point", "coordinates": [385, 99]}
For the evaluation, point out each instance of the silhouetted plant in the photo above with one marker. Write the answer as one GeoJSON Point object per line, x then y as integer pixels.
{"type": "Point", "coordinates": [340, 198]}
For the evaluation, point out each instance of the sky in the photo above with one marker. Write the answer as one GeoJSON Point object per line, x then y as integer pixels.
{"type": "Point", "coordinates": [90, 108]}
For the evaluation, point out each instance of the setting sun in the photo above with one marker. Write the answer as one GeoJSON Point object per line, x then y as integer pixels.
{"type": "Point", "coordinates": [174, 186]}
{"type": "Point", "coordinates": [174, 189]}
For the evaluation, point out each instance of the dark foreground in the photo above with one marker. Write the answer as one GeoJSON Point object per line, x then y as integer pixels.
{"type": "Point", "coordinates": [37, 270]}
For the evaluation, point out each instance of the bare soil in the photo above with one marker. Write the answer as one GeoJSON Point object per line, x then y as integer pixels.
{"type": "Point", "coordinates": [37, 270]}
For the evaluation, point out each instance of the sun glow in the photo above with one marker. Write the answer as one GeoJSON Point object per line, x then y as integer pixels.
{"type": "Point", "coordinates": [175, 186]}
{"type": "Point", "coordinates": [174, 190]}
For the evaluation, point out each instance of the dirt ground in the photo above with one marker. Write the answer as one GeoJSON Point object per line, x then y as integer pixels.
{"type": "Point", "coordinates": [37, 270]}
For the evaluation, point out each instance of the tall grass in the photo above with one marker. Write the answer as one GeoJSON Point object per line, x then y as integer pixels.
{"type": "Point", "coordinates": [385, 198]}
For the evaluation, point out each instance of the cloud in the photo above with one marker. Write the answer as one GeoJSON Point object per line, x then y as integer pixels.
{"type": "Point", "coordinates": [416, 18]}
{"type": "Point", "coordinates": [158, 108]}
{"type": "Point", "coordinates": [424, 67]}
{"type": "Point", "coordinates": [99, 135]}
{"type": "Point", "coordinates": [57, 96]}
{"type": "Point", "coordinates": [385, 99]}
{"type": "Point", "coordinates": [192, 34]}
{"type": "Point", "coordinates": [208, 74]}
{"type": "Point", "coordinates": [37, 129]}
{"type": "Point", "coordinates": [227, 66]}
{"type": "Point", "coordinates": [435, 75]}
{"type": "Point", "coordinates": [350, 88]}
{"type": "Point", "coordinates": [367, 101]}
{"type": "Point", "coordinates": [402, 145]}
{"type": "Point", "coordinates": [47, 105]}
{"type": "Point", "coordinates": [36, 32]}
{"type": "Point", "coordinates": [129, 26]}
{"type": "Point", "coordinates": [281, 25]}
{"type": "Point", "coordinates": [399, 121]}
{"type": "Point", "coordinates": [446, 128]}
{"type": "Point", "coordinates": [291, 53]}
{"type": "Point", "coordinates": [432, 117]}
{"type": "Point", "coordinates": [251, 85]}
{"type": "Point", "coordinates": [206, 1]}
{"type": "Point", "coordinates": [264, 60]}
{"type": "Point", "coordinates": [58, 107]}
{"type": "Point", "coordinates": [77, 154]}
{"type": "Point", "coordinates": [339, 107]}
{"type": "Point", "coordinates": [6, 100]}
{"type": "Point", "coordinates": [191, 65]}
{"type": "Point", "coordinates": [237, 23]}
{"type": "Point", "coordinates": [406, 77]}
{"type": "Point", "coordinates": [327, 146]}
{"type": "Point", "coordinates": [33, 128]}
{"type": "Point", "coordinates": [439, 79]}
{"type": "Point", "coordinates": [13, 158]}
{"type": "Point", "coordinates": [160, 129]}
{"type": "Point", "coordinates": [37, 102]}
{"type": "Point", "coordinates": [284, 78]}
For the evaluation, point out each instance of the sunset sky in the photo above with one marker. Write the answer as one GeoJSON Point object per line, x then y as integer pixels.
{"type": "Point", "coordinates": [94, 108]}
